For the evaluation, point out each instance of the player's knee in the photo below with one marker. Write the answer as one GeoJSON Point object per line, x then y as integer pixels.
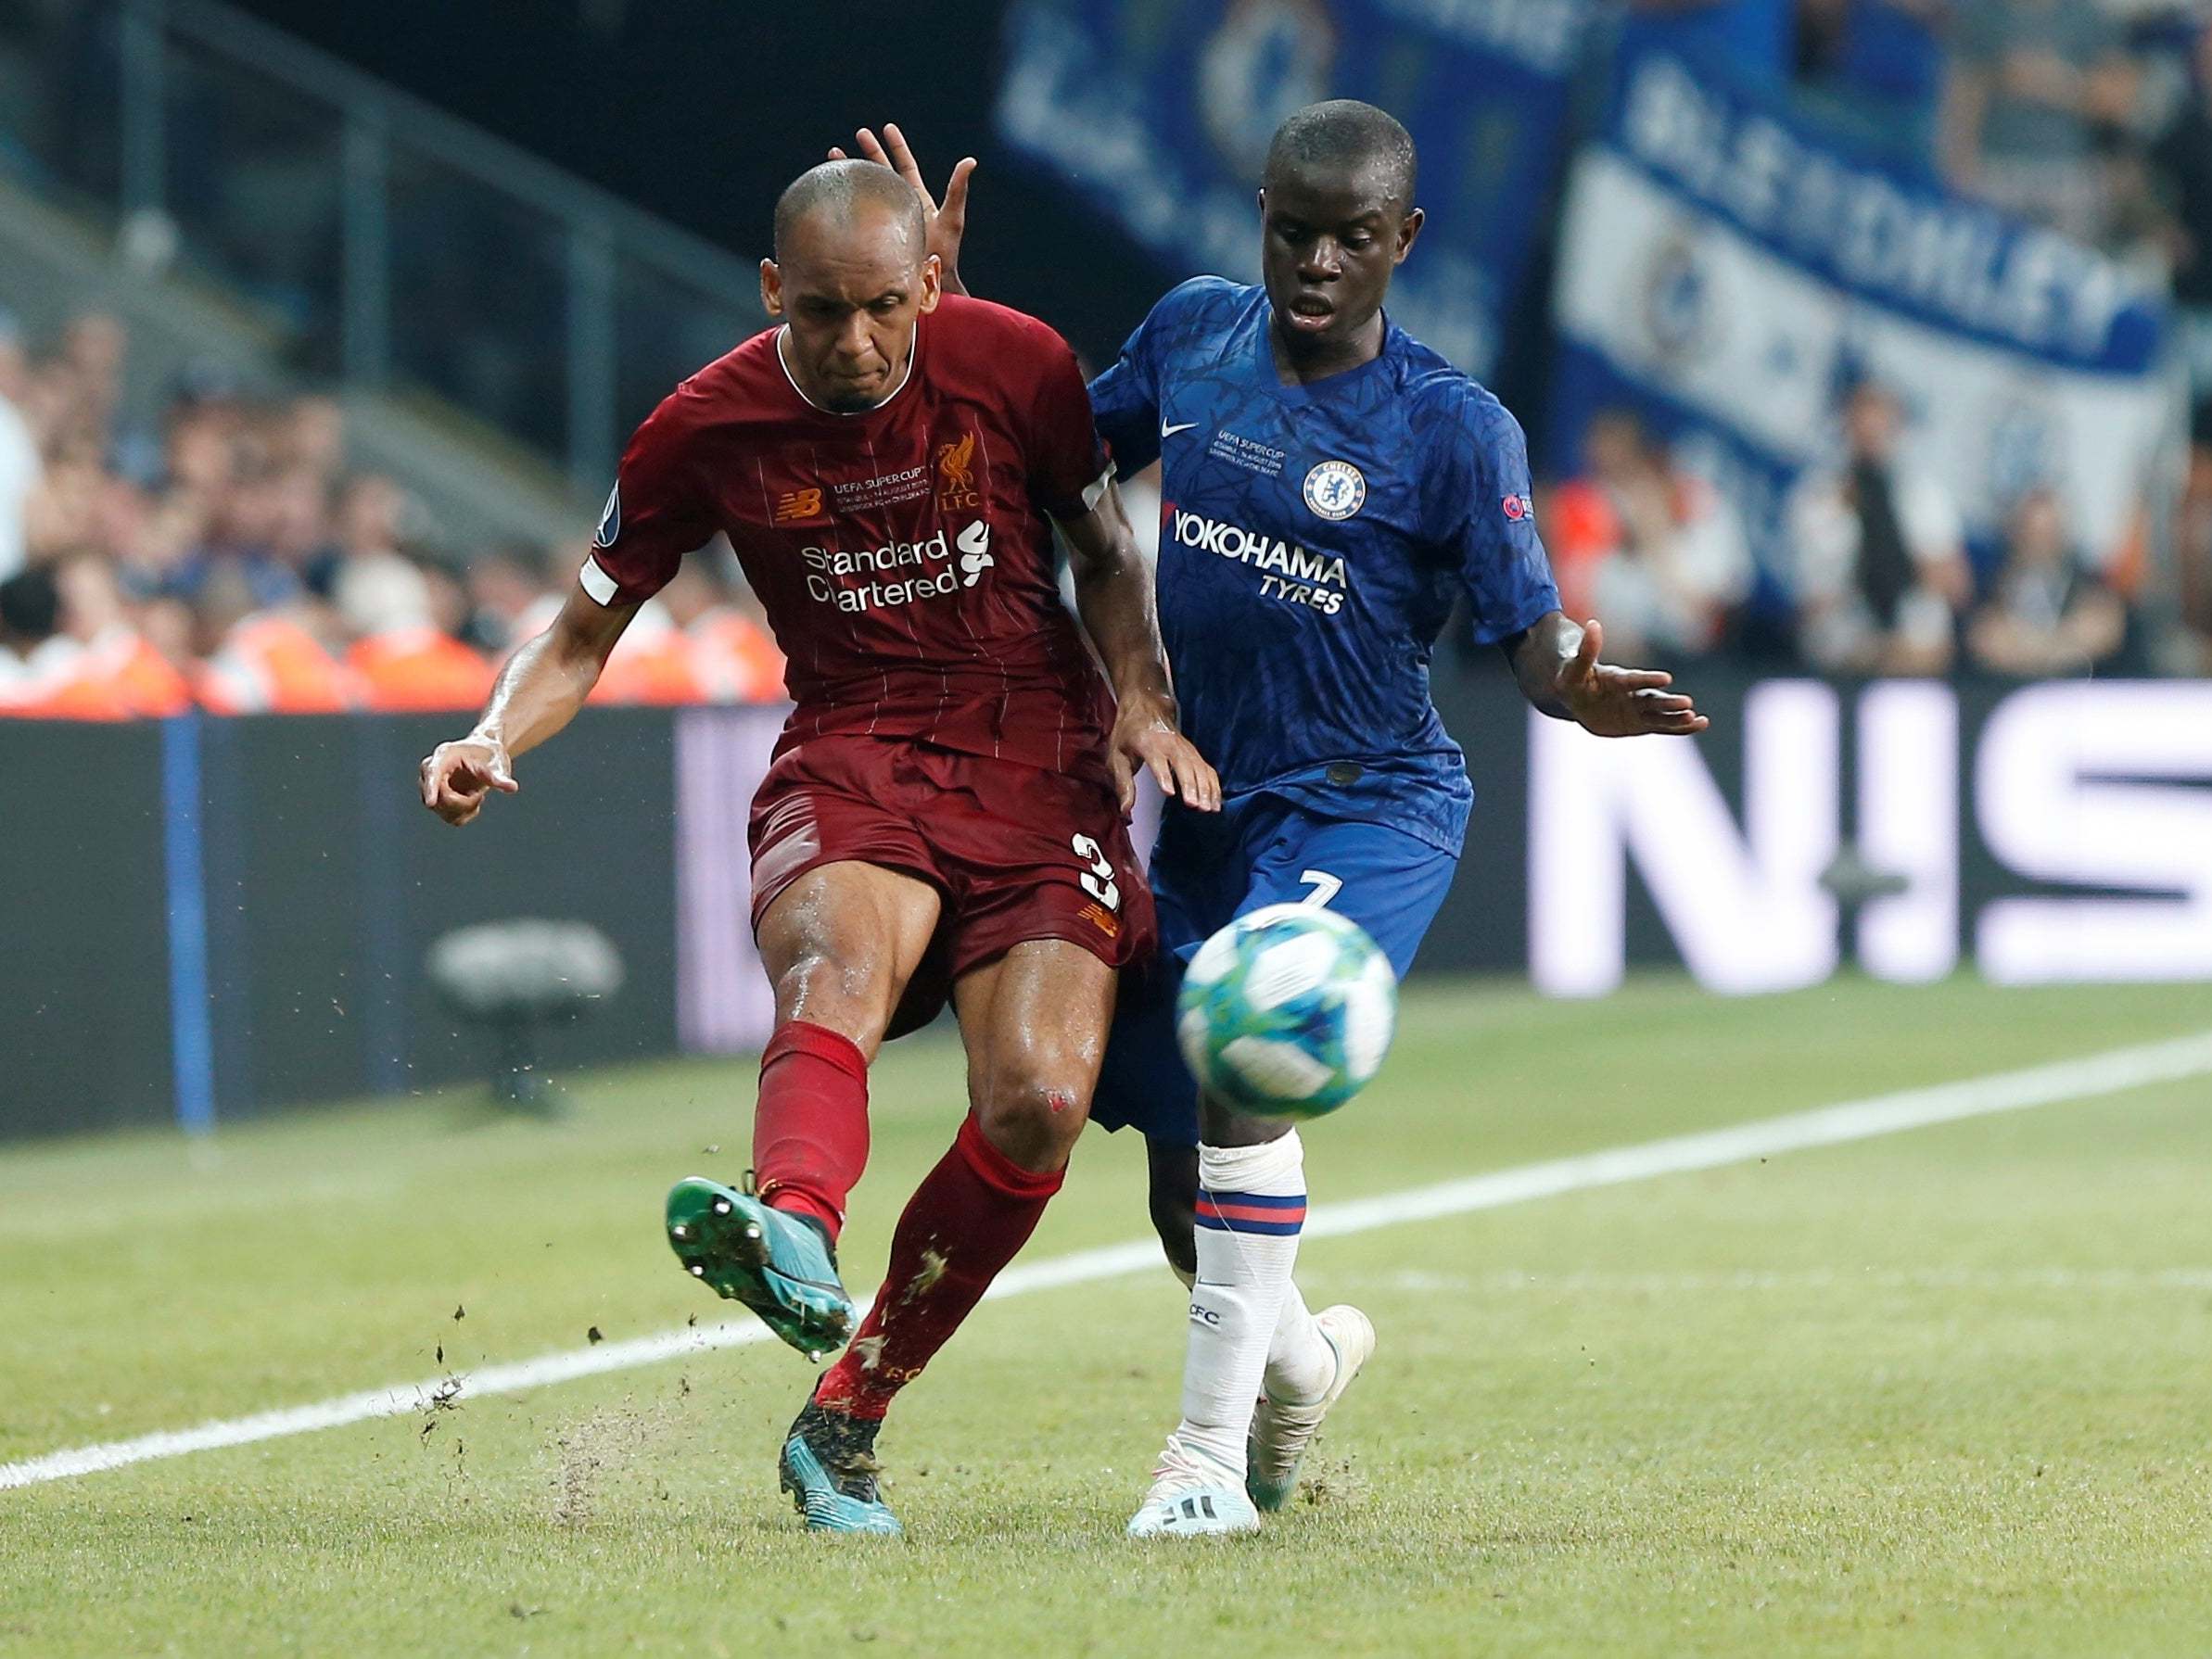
{"type": "Point", "coordinates": [832, 988]}
{"type": "Point", "coordinates": [1031, 1105]}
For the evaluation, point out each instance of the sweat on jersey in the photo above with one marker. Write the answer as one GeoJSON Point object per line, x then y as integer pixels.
{"type": "Point", "coordinates": [903, 554]}
{"type": "Point", "coordinates": [1313, 540]}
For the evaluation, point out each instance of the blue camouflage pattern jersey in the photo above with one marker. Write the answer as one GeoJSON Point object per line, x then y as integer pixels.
{"type": "Point", "coordinates": [1312, 541]}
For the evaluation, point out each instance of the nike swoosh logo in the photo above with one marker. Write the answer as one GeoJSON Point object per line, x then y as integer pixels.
{"type": "Point", "coordinates": [1167, 431]}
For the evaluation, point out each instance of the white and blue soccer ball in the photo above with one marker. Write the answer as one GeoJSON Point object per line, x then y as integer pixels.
{"type": "Point", "coordinates": [1286, 1012]}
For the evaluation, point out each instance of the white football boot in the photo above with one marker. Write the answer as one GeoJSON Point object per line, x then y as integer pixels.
{"type": "Point", "coordinates": [1192, 1496]}
{"type": "Point", "coordinates": [1281, 1432]}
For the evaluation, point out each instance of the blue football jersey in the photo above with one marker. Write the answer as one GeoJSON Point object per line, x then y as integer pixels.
{"type": "Point", "coordinates": [1313, 540]}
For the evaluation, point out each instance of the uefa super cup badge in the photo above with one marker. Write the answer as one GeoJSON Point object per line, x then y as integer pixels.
{"type": "Point", "coordinates": [1335, 490]}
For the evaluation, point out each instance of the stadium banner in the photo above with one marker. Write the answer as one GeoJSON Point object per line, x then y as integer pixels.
{"type": "Point", "coordinates": [2047, 834]}
{"type": "Point", "coordinates": [1160, 114]}
{"type": "Point", "coordinates": [1727, 266]}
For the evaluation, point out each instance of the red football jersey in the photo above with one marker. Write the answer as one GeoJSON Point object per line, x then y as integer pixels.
{"type": "Point", "coordinates": [904, 554]}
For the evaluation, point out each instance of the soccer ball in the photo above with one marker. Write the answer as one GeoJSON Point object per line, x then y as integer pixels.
{"type": "Point", "coordinates": [1286, 1012]}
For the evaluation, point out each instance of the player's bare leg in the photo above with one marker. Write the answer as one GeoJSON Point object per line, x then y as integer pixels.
{"type": "Point", "coordinates": [1173, 1196]}
{"type": "Point", "coordinates": [839, 947]}
{"type": "Point", "coordinates": [1035, 1026]}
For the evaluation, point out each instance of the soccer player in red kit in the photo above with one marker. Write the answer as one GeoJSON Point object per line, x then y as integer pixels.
{"type": "Point", "coordinates": [944, 810]}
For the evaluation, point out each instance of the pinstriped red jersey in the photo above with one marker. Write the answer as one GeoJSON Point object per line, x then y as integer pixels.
{"type": "Point", "coordinates": [904, 555]}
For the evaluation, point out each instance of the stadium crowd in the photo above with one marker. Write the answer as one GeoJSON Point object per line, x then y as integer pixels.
{"type": "Point", "coordinates": [224, 554]}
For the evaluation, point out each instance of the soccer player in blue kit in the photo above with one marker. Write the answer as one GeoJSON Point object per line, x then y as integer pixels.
{"type": "Point", "coordinates": [1330, 488]}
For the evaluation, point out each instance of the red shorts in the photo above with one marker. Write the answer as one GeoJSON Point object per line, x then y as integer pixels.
{"type": "Point", "coordinates": [1015, 852]}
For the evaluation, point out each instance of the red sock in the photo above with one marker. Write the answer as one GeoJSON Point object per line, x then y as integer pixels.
{"type": "Point", "coordinates": [810, 1129]}
{"type": "Point", "coordinates": [966, 1222]}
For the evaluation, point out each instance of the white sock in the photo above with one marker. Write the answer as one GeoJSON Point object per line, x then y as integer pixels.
{"type": "Point", "coordinates": [1300, 1364]}
{"type": "Point", "coordinates": [1251, 1206]}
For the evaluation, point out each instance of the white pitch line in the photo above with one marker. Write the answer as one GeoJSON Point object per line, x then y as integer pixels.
{"type": "Point", "coordinates": [2084, 1079]}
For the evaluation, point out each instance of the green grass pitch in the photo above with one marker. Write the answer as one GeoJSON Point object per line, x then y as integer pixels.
{"type": "Point", "coordinates": [1948, 1391]}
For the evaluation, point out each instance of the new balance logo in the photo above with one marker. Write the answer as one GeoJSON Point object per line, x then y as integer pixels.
{"type": "Point", "coordinates": [797, 504]}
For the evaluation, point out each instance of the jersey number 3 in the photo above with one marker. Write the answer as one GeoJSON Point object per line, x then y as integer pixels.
{"type": "Point", "coordinates": [1098, 880]}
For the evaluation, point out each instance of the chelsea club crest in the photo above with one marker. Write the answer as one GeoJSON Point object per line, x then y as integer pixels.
{"type": "Point", "coordinates": [1335, 490]}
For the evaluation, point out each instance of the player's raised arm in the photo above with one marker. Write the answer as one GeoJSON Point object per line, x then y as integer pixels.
{"type": "Point", "coordinates": [1557, 663]}
{"type": "Point", "coordinates": [948, 220]}
{"type": "Point", "coordinates": [653, 517]}
{"type": "Point", "coordinates": [1114, 593]}
{"type": "Point", "coordinates": [1484, 481]}
{"type": "Point", "coordinates": [537, 693]}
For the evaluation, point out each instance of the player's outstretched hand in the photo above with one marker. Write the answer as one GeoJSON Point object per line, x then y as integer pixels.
{"type": "Point", "coordinates": [947, 220]}
{"type": "Point", "coordinates": [1623, 703]}
{"type": "Point", "coordinates": [457, 778]}
{"type": "Point", "coordinates": [1147, 737]}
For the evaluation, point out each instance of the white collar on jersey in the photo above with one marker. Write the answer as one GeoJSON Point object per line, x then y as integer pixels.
{"type": "Point", "coordinates": [913, 352]}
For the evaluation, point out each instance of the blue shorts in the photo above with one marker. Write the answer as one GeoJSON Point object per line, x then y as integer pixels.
{"type": "Point", "coordinates": [1210, 868]}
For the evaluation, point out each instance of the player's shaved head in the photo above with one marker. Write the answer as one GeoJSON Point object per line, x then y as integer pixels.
{"type": "Point", "coordinates": [842, 193]}
{"type": "Point", "coordinates": [852, 276]}
{"type": "Point", "coordinates": [1347, 137]}
{"type": "Point", "coordinates": [1337, 218]}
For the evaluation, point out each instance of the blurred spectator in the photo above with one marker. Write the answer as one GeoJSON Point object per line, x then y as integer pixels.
{"type": "Point", "coordinates": [265, 661]}
{"type": "Point", "coordinates": [236, 565]}
{"type": "Point", "coordinates": [2194, 554]}
{"type": "Point", "coordinates": [313, 437]}
{"type": "Point", "coordinates": [1646, 546]}
{"type": "Point", "coordinates": [404, 662]}
{"type": "Point", "coordinates": [93, 347]}
{"type": "Point", "coordinates": [31, 651]}
{"type": "Point", "coordinates": [448, 594]}
{"type": "Point", "coordinates": [504, 587]}
{"type": "Point", "coordinates": [1881, 569]}
{"type": "Point", "coordinates": [2032, 84]}
{"type": "Point", "coordinates": [40, 666]}
{"type": "Point", "coordinates": [60, 514]}
{"type": "Point", "coordinates": [654, 661]}
{"type": "Point", "coordinates": [372, 519]}
{"type": "Point", "coordinates": [112, 652]}
{"type": "Point", "coordinates": [295, 520]}
{"type": "Point", "coordinates": [737, 657]}
{"type": "Point", "coordinates": [19, 464]}
{"type": "Point", "coordinates": [2047, 613]}
{"type": "Point", "coordinates": [2182, 160]}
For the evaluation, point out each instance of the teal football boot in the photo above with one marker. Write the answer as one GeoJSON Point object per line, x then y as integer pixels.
{"type": "Point", "coordinates": [829, 1468]}
{"type": "Point", "coordinates": [778, 1265]}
